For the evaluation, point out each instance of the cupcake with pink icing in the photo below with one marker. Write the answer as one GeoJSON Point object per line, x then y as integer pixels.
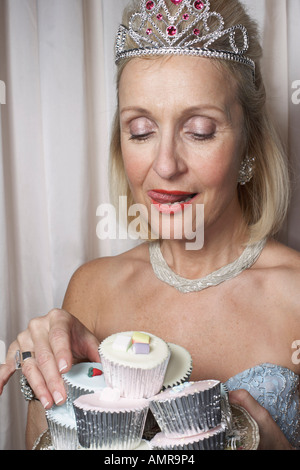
{"type": "Point", "coordinates": [214, 439]}
{"type": "Point", "coordinates": [135, 363]}
{"type": "Point", "coordinates": [188, 409]}
{"type": "Point", "coordinates": [105, 420]}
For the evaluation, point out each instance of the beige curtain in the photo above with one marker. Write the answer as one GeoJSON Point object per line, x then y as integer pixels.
{"type": "Point", "coordinates": [56, 61]}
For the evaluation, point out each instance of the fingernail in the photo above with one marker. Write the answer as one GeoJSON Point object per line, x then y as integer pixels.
{"type": "Point", "coordinates": [58, 398]}
{"type": "Point", "coordinates": [44, 402]}
{"type": "Point", "coordinates": [62, 365]}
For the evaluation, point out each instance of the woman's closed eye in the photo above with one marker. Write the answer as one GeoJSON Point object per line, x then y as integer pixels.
{"type": "Point", "coordinates": [203, 137]}
{"type": "Point", "coordinates": [200, 128]}
{"type": "Point", "coordinates": [140, 137]}
{"type": "Point", "coordinates": [141, 129]}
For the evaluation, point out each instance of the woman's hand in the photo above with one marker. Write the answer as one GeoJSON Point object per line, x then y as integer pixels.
{"type": "Point", "coordinates": [271, 437]}
{"type": "Point", "coordinates": [58, 340]}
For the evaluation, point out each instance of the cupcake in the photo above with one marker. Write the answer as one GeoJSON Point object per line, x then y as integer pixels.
{"type": "Point", "coordinates": [188, 409]}
{"type": "Point", "coordinates": [83, 378]}
{"type": "Point", "coordinates": [144, 445]}
{"type": "Point", "coordinates": [178, 371]}
{"type": "Point", "coordinates": [214, 439]}
{"type": "Point", "coordinates": [135, 363]}
{"type": "Point", "coordinates": [179, 367]}
{"type": "Point", "coordinates": [62, 427]}
{"type": "Point", "coordinates": [105, 420]}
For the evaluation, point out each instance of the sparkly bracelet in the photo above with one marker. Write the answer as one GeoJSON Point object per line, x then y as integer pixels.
{"type": "Point", "coordinates": [26, 390]}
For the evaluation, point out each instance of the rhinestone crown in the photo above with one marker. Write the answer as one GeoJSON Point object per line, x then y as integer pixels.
{"type": "Point", "coordinates": [156, 32]}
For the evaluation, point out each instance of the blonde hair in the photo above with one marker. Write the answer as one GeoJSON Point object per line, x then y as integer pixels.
{"type": "Point", "coordinates": [264, 200]}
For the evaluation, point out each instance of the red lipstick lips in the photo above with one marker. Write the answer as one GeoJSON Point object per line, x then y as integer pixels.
{"type": "Point", "coordinates": [170, 202]}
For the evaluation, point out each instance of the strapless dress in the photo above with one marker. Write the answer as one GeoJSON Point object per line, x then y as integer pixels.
{"type": "Point", "coordinates": [276, 388]}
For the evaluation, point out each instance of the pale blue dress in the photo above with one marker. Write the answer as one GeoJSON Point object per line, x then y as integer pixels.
{"type": "Point", "coordinates": [276, 388]}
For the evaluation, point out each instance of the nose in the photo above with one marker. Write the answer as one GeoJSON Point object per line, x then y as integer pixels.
{"type": "Point", "coordinates": [169, 162]}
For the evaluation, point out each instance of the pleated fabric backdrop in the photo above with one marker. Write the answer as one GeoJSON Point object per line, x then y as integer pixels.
{"type": "Point", "coordinates": [57, 100]}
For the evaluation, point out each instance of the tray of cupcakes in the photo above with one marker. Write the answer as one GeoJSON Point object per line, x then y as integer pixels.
{"type": "Point", "coordinates": [140, 397]}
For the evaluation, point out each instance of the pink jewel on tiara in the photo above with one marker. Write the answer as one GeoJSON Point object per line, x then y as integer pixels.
{"type": "Point", "coordinates": [199, 5]}
{"type": "Point", "coordinates": [172, 39]}
{"type": "Point", "coordinates": [150, 6]}
{"type": "Point", "coordinates": [171, 30]}
{"type": "Point", "coordinates": [149, 31]}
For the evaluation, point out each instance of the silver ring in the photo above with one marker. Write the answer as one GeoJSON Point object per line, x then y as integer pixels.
{"type": "Point", "coordinates": [27, 355]}
{"type": "Point", "coordinates": [20, 358]}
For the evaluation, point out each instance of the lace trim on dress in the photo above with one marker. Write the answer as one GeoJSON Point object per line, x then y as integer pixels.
{"type": "Point", "coordinates": [276, 388]}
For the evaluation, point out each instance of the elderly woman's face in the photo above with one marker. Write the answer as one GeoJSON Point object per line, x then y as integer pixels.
{"type": "Point", "coordinates": [181, 135]}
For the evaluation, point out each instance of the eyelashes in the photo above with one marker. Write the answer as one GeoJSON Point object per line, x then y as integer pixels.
{"type": "Point", "coordinates": [204, 137]}
{"type": "Point", "coordinates": [194, 136]}
{"type": "Point", "coordinates": [140, 137]}
{"type": "Point", "coordinates": [195, 129]}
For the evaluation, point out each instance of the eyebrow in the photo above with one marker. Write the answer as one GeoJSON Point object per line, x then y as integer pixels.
{"type": "Point", "coordinates": [134, 108]}
{"type": "Point", "coordinates": [191, 110]}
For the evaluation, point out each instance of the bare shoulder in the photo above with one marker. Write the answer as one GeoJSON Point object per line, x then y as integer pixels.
{"type": "Point", "coordinates": [95, 282]}
{"type": "Point", "coordinates": [281, 265]}
{"type": "Point", "coordinates": [104, 271]}
{"type": "Point", "coordinates": [283, 258]}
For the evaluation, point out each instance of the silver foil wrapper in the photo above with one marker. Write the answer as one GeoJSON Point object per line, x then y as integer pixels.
{"type": "Point", "coordinates": [63, 437]}
{"type": "Point", "coordinates": [74, 392]}
{"type": "Point", "coordinates": [108, 430]}
{"type": "Point", "coordinates": [134, 382]}
{"type": "Point", "coordinates": [215, 441]}
{"type": "Point", "coordinates": [189, 414]}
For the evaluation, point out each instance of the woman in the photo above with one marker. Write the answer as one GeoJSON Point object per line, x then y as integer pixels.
{"type": "Point", "coordinates": [191, 129]}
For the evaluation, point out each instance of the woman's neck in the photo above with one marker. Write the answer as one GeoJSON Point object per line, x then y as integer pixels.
{"type": "Point", "coordinates": [221, 247]}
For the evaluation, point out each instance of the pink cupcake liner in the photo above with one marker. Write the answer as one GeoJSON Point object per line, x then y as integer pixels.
{"type": "Point", "coordinates": [98, 430]}
{"type": "Point", "coordinates": [189, 414]}
{"type": "Point", "coordinates": [211, 440]}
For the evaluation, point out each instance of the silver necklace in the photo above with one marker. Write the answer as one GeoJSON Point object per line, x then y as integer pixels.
{"type": "Point", "coordinates": [164, 273]}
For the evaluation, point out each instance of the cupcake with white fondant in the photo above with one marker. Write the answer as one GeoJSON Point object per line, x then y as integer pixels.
{"type": "Point", "coordinates": [188, 409]}
{"type": "Point", "coordinates": [178, 371]}
{"type": "Point", "coordinates": [214, 439]}
{"type": "Point", "coordinates": [105, 420]}
{"type": "Point", "coordinates": [135, 363]}
{"type": "Point", "coordinates": [83, 378]}
{"type": "Point", "coordinates": [179, 368]}
{"type": "Point", "coordinates": [62, 427]}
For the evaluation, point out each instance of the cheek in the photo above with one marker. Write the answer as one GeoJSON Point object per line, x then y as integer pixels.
{"type": "Point", "coordinates": [221, 168]}
{"type": "Point", "coordinates": [134, 168]}
{"type": "Point", "coordinates": [220, 176]}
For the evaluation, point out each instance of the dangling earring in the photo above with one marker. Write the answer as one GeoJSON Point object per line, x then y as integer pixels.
{"type": "Point", "coordinates": [247, 171]}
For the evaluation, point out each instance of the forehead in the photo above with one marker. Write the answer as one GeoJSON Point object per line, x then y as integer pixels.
{"type": "Point", "coordinates": [181, 80]}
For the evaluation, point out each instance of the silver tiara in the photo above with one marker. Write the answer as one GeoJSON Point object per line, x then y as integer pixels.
{"type": "Point", "coordinates": [156, 32]}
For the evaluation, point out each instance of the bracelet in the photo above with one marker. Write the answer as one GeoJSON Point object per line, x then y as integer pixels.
{"type": "Point", "coordinates": [26, 390]}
